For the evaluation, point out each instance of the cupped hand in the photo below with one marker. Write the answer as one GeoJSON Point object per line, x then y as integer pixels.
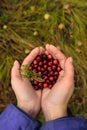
{"type": "Point", "coordinates": [28, 99]}
{"type": "Point", "coordinates": [54, 101]}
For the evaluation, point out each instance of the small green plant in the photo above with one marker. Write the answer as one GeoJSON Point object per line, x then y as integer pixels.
{"type": "Point", "coordinates": [26, 73]}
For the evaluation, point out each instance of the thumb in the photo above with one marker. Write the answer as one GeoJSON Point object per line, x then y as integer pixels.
{"type": "Point", "coordinates": [69, 69]}
{"type": "Point", "coordinates": [15, 72]}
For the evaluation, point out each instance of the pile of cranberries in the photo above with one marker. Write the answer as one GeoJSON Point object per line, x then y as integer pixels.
{"type": "Point", "coordinates": [49, 69]}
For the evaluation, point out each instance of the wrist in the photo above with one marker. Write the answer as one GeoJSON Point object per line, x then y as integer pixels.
{"type": "Point", "coordinates": [29, 109]}
{"type": "Point", "coordinates": [54, 113]}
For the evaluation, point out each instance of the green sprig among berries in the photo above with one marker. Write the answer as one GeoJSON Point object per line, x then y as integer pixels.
{"type": "Point", "coordinates": [26, 73]}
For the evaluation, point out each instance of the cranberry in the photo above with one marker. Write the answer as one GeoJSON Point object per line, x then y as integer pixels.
{"type": "Point", "coordinates": [36, 87]}
{"type": "Point", "coordinates": [49, 68]}
{"type": "Point", "coordinates": [51, 72]}
{"type": "Point", "coordinates": [45, 62]}
{"type": "Point", "coordinates": [56, 73]}
{"type": "Point", "coordinates": [47, 81]}
{"type": "Point", "coordinates": [40, 84]}
{"type": "Point", "coordinates": [51, 78]}
{"type": "Point", "coordinates": [54, 67]}
{"type": "Point", "coordinates": [42, 69]}
{"type": "Point", "coordinates": [30, 67]}
{"type": "Point", "coordinates": [50, 63]}
{"type": "Point", "coordinates": [35, 82]}
{"type": "Point", "coordinates": [45, 66]}
{"type": "Point", "coordinates": [50, 86]}
{"type": "Point", "coordinates": [48, 74]}
{"type": "Point", "coordinates": [55, 77]}
{"type": "Point", "coordinates": [45, 85]}
{"type": "Point", "coordinates": [55, 62]}
{"type": "Point", "coordinates": [40, 63]}
{"type": "Point", "coordinates": [39, 68]}
{"type": "Point", "coordinates": [35, 62]}
{"type": "Point", "coordinates": [38, 58]}
{"type": "Point", "coordinates": [54, 81]}
{"type": "Point", "coordinates": [35, 66]}
{"type": "Point", "coordinates": [46, 77]}
{"type": "Point", "coordinates": [44, 56]}
{"type": "Point", "coordinates": [49, 56]}
{"type": "Point", "coordinates": [59, 69]}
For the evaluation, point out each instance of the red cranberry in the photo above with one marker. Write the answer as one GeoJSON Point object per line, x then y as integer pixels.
{"type": "Point", "coordinates": [35, 82]}
{"type": "Point", "coordinates": [49, 68]}
{"type": "Point", "coordinates": [55, 77]}
{"type": "Point", "coordinates": [56, 73]}
{"type": "Point", "coordinates": [40, 63]}
{"type": "Point", "coordinates": [42, 69]}
{"type": "Point", "coordinates": [38, 58]}
{"type": "Point", "coordinates": [36, 87]}
{"type": "Point", "coordinates": [54, 67]}
{"type": "Point", "coordinates": [48, 74]}
{"type": "Point", "coordinates": [46, 77]}
{"type": "Point", "coordinates": [40, 84]}
{"type": "Point", "coordinates": [59, 68]}
{"type": "Point", "coordinates": [39, 68]}
{"type": "Point", "coordinates": [45, 85]}
{"type": "Point", "coordinates": [51, 72]}
{"type": "Point", "coordinates": [35, 62]}
{"type": "Point", "coordinates": [50, 86]}
{"type": "Point", "coordinates": [55, 62]}
{"type": "Point", "coordinates": [35, 66]}
{"type": "Point", "coordinates": [45, 62]}
{"type": "Point", "coordinates": [30, 67]}
{"type": "Point", "coordinates": [45, 66]}
{"type": "Point", "coordinates": [51, 78]}
{"type": "Point", "coordinates": [54, 81]}
{"type": "Point", "coordinates": [49, 56]}
{"type": "Point", "coordinates": [44, 56]}
{"type": "Point", "coordinates": [47, 81]}
{"type": "Point", "coordinates": [50, 63]}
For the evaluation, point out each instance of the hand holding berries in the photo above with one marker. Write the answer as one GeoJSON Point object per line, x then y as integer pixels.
{"type": "Point", "coordinates": [28, 99]}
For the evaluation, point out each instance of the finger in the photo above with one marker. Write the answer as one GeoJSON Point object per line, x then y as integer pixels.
{"type": "Point", "coordinates": [32, 55]}
{"type": "Point", "coordinates": [45, 92]}
{"type": "Point", "coordinates": [61, 75]}
{"type": "Point", "coordinates": [38, 93]}
{"type": "Point", "coordinates": [69, 69]}
{"type": "Point", "coordinates": [57, 54]}
{"type": "Point", "coordinates": [15, 72]}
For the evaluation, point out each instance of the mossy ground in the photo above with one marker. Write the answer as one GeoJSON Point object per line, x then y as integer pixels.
{"type": "Point", "coordinates": [26, 24]}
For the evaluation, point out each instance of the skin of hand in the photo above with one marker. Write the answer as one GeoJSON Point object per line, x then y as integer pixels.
{"type": "Point", "coordinates": [28, 99]}
{"type": "Point", "coordinates": [54, 102]}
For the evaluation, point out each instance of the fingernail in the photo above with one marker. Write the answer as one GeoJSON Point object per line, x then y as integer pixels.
{"type": "Point", "coordinates": [70, 59]}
